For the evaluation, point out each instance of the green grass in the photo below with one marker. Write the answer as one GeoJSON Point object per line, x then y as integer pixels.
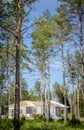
{"type": "Point", "coordinates": [39, 124]}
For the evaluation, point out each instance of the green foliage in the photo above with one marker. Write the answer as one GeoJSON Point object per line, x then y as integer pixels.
{"type": "Point", "coordinates": [39, 124]}
{"type": "Point", "coordinates": [42, 38]}
{"type": "Point", "coordinates": [6, 124]}
{"type": "Point", "coordinates": [63, 25]}
{"type": "Point", "coordinates": [37, 89]}
{"type": "Point", "coordinates": [32, 95]}
{"type": "Point", "coordinates": [81, 103]}
{"type": "Point", "coordinates": [58, 92]}
{"type": "Point", "coordinates": [73, 123]}
{"type": "Point", "coordinates": [73, 65]}
{"type": "Point", "coordinates": [25, 60]}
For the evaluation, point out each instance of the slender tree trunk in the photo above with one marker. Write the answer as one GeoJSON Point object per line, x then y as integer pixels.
{"type": "Point", "coordinates": [41, 94]}
{"type": "Point", "coordinates": [63, 70]}
{"type": "Point", "coordinates": [7, 91]}
{"type": "Point", "coordinates": [70, 106]}
{"type": "Point", "coordinates": [48, 93]}
{"type": "Point", "coordinates": [17, 84]}
{"type": "Point", "coordinates": [43, 103]}
{"type": "Point", "coordinates": [0, 93]}
{"type": "Point", "coordinates": [0, 99]}
{"type": "Point", "coordinates": [43, 90]}
{"type": "Point", "coordinates": [14, 80]}
{"type": "Point", "coordinates": [81, 48]}
{"type": "Point", "coordinates": [76, 103]}
{"type": "Point", "coordinates": [78, 112]}
{"type": "Point", "coordinates": [21, 89]}
{"type": "Point", "coordinates": [73, 113]}
{"type": "Point", "coordinates": [43, 97]}
{"type": "Point", "coordinates": [41, 100]}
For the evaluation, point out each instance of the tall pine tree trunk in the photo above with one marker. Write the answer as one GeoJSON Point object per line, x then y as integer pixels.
{"type": "Point", "coordinates": [64, 84]}
{"type": "Point", "coordinates": [78, 112]}
{"type": "Point", "coordinates": [43, 89]}
{"type": "Point", "coordinates": [0, 99]}
{"type": "Point", "coordinates": [17, 84]}
{"type": "Point", "coordinates": [43, 95]}
{"type": "Point", "coordinates": [48, 93]}
{"type": "Point", "coordinates": [70, 106]}
{"type": "Point", "coordinates": [14, 80]}
{"type": "Point", "coordinates": [7, 89]}
{"type": "Point", "coordinates": [81, 47]}
{"type": "Point", "coordinates": [73, 113]}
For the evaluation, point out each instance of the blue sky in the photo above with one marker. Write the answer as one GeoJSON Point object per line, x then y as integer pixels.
{"type": "Point", "coordinates": [42, 5]}
{"type": "Point", "coordinates": [56, 75]}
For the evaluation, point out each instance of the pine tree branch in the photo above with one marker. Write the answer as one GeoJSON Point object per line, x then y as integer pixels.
{"type": "Point", "coordinates": [8, 30]}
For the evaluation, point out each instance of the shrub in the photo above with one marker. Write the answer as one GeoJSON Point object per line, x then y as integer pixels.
{"type": "Point", "coordinates": [6, 124]}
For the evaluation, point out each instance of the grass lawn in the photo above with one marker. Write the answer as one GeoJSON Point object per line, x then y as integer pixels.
{"type": "Point", "coordinates": [39, 124]}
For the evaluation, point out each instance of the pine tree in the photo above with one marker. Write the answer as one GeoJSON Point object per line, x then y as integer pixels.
{"type": "Point", "coordinates": [75, 12]}
{"type": "Point", "coordinates": [63, 29]}
{"type": "Point", "coordinates": [41, 45]}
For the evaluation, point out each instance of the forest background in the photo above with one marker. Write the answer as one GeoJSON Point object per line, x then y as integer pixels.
{"type": "Point", "coordinates": [51, 52]}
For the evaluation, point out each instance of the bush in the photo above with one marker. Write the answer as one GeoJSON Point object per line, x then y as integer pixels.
{"type": "Point", "coordinates": [39, 124]}
{"type": "Point", "coordinates": [6, 124]}
{"type": "Point", "coordinates": [60, 121]}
